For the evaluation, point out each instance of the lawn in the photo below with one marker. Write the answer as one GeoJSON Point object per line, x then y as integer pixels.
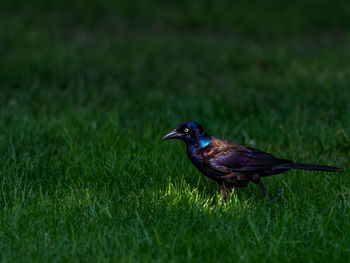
{"type": "Point", "coordinates": [88, 89]}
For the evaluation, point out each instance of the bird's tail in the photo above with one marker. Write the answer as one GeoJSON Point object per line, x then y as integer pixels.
{"type": "Point", "coordinates": [305, 166]}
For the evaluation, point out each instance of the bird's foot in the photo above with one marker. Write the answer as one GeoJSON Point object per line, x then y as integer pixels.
{"type": "Point", "coordinates": [277, 195]}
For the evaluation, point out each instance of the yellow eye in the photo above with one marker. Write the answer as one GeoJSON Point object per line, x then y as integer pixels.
{"type": "Point", "coordinates": [186, 130]}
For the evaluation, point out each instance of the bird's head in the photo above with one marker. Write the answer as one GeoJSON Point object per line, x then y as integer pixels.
{"type": "Point", "coordinates": [190, 132]}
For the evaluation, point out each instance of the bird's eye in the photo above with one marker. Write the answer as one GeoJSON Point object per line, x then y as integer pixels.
{"type": "Point", "coordinates": [186, 130]}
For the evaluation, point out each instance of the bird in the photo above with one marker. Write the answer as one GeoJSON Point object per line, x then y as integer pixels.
{"type": "Point", "coordinates": [233, 165]}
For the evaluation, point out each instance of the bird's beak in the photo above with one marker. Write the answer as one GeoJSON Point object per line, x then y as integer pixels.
{"type": "Point", "coordinates": [171, 135]}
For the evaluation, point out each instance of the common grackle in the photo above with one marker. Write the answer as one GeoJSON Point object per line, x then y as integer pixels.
{"type": "Point", "coordinates": [231, 164]}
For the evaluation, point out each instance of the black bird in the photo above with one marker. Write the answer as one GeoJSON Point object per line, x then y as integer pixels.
{"type": "Point", "coordinates": [231, 164]}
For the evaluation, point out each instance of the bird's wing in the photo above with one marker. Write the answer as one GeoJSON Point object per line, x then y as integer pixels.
{"type": "Point", "coordinates": [260, 161]}
{"type": "Point", "coordinates": [226, 156]}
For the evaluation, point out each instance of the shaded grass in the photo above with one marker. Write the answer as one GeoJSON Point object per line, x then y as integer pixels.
{"type": "Point", "coordinates": [84, 176]}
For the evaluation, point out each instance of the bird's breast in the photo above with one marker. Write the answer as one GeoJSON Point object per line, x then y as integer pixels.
{"type": "Point", "coordinates": [195, 156]}
{"type": "Point", "coordinates": [198, 157]}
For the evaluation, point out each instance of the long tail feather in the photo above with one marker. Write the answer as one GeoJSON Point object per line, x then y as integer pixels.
{"type": "Point", "coordinates": [305, 166]}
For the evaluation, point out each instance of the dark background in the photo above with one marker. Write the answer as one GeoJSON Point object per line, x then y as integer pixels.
{"type": "Point", "coordinates": [88, 88]}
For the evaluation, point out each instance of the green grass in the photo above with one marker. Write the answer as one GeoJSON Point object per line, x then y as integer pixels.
{"type": "Point", "coordinates": [89, 88]}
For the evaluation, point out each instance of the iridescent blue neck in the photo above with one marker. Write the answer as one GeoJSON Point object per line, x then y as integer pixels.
{"type": "Point", "coordinates": [204, 141]}
{"type": "Point", "coordinates": [200, 142]}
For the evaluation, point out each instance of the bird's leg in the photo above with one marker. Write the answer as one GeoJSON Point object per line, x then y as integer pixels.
{"type": "Point", "coordinates": [257, 180]}
{"type": "Point", "coordinates": [224, 191]}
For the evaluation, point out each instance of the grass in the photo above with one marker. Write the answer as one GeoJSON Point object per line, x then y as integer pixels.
{"type": "Point", "coordinates": [89, 88]}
